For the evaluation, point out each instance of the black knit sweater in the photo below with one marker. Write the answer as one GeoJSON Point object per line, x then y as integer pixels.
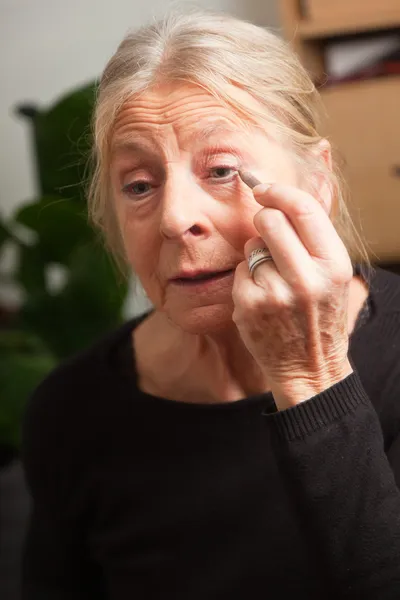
{"type": "Point", "coordinates": [138, 497]}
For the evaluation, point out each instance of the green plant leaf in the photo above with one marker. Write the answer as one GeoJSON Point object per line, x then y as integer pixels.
{"type": "Point", "coordinates": [15, 340]}
{"type": "Point", "coordinates": [63, 142]}
{"type": "Point", "coordinates": [96, 283]}
{"type": "Point", "coordinates": [61, 226]}
{"type": "Point", "coordinates": [90, 304]}
{"type": "Point", "coordinates": [54, 325]}
{"type": "Point", "coordinates": [31, 268]}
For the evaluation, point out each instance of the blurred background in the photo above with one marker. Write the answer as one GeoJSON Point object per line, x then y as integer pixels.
{"type": "Point", "coordinates": [59, 289]}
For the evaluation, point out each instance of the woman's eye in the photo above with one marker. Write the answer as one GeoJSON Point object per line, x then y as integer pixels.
{"type": "Point", "coordinates": [138, 188]}
{"type": "Point", "coordinates": [222, 172]}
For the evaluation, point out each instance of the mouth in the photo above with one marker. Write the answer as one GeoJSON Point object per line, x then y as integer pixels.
{"type": "Point", "coordinates": [201, 278]}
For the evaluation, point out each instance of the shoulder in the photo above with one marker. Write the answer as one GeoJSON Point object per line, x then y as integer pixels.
{"type": "Point", "coordinates": [385, 291]}
{"type": "Point", "coordinates": [377, 341]}
{"type": "Point", "coordinates": [61, 411]}
{"type": "Point", "coordinates": [378, 350]}
{"type": "Point", "coordinates": [383, 329]}
{"type": "Point", "coordinates": [89, 368]}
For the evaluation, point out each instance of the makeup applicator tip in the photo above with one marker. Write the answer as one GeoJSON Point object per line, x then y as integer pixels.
{"type": "Point", "coordinates": [248, 179]}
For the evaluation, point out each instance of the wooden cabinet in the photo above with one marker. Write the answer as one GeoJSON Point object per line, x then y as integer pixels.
{"type": "Point", "coordinates": [363, 117]}
{"type": "Point", "coordinates": [363, 122]}
{"type": "Point", "coordinates": [329, 10]}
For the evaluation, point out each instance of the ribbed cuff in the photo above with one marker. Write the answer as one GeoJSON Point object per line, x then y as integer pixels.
{"type": "Point", "coordinates": [321, 410]}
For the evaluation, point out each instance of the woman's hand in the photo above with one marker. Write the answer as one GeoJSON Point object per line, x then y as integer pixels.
{"type": "Point", "coordinates": [292, 314]}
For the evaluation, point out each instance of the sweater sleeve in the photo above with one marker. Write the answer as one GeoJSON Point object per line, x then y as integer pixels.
{"type": "Point", "coordinates": [55, 562]}
{"type": "Point", "coordinates": [330, 449]}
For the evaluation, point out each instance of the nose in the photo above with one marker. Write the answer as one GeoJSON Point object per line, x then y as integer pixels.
{"type": "Point", "coordinates": [183, 208]}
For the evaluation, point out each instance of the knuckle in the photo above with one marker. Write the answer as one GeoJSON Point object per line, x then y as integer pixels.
{"type": "Point", "coordinates": [278, 302]}
{"type": "Point", "coordinates": [346, 272]}
{"type": "Point", "coordinates": [236, 316]}
{"type": "Point", "coordinates": [270, 219]}
{"type": "Point", "coordinates": [304, 208]}
{"type": "Point", "coordinates": [309, 289]}
{"type": "Point", "coordinates": [341, 272]}
{"type": "Point", "coordinates": [254, 305]}
{"type": "Point", "coordinates": [258, 304]}
{"type": "Point", "coordinates": [241, 300]}
{"type": "Point", "coordinates": [237, 295]}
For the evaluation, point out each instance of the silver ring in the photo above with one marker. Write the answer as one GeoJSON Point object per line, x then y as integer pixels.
{"type": "Point", "coordinates": [257, 257]}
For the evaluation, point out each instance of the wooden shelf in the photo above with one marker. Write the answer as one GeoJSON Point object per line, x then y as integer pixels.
{"type": "Point", "coordinates": [309, 30]}
{"type": "Point", "coordinates": [360, 117]}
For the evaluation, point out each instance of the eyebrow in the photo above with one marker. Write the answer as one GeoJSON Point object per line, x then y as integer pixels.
{"type": "Point", "coordinates": [214, 128]}
{"type": "Point", "coordinates": [139, 143]}
{"type": "Point", "coordinates": [132, 143]}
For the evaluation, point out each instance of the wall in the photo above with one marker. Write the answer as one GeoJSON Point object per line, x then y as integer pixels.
{"type": "Point", "coordinates": [50, 46]}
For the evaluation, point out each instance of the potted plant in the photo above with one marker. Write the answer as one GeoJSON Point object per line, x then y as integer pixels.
{"type": "Point", "coordinates": [71, 289]}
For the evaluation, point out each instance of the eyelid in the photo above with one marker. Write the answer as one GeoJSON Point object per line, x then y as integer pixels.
{"type": "Point", "coordinates": [214, 158]}
{"type": "Point", "coordinates": [132, 177]}
{"type": "Point", "coordinates": [138, 169]}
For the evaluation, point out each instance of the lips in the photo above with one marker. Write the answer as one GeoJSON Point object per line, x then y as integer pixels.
{"type": "Point", "coordinates": [200, 276]}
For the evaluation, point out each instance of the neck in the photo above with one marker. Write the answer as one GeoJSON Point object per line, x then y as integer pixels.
{"type": "Point", "coordinates": [216, 367]}
{"type": "Point", "coordinates": [234, 372]}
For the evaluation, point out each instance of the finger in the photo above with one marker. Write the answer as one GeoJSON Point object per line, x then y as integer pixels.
{"type": "Point", "coordinates": [264, 292]}
{"type": "Point", "coordinates": [252, 244]}
{"type": "Point", "coordinates": [308, 217]}
{"type": "Point", "coordinates": [291, 258]}
{"type": "Point", "coordinates": [269, 279]}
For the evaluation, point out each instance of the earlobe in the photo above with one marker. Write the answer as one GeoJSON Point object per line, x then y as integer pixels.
{"type": "Point", "coordinates": [324, 150]}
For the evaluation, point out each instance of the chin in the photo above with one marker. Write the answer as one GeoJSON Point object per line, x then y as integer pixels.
{"type": "Point", "coordinates": [203, 320]}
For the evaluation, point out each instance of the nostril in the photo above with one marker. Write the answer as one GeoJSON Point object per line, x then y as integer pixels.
{"type": "Point", "coordinates": [195, 230]}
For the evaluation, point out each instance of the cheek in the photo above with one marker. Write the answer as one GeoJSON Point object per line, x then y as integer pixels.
{"type": "Point", "coordinates": [140, 240]}
{"type": "Point", "coordinates": [238, 226]}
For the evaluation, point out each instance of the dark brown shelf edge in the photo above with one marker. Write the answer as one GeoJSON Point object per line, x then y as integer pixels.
{"type": "Point", "coordinates": [315, 31]}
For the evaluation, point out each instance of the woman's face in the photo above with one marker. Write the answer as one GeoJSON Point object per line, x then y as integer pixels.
{"type": "Point", "coordinates": [182, 209]}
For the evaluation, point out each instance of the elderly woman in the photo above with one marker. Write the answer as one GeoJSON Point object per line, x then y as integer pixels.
{"type": "Point", "coordinates": [241, 439]}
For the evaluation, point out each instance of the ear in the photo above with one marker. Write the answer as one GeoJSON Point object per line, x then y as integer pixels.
{"type": "Point", "coordinates": [320, 182]}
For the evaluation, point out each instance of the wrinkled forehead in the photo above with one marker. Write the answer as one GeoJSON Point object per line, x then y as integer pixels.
{"type": "Point", "coordinates": [211, 132]}
{"type": "Point", "coordinates": [188, 111]}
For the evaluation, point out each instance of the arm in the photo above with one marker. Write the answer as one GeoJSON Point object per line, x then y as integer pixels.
{"type": "Point", "coordinates": [55, 563]}
{"type": "Point", "coordinates": [292, 313]}
{"type": "Point", "coordinates": [331, 450]}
